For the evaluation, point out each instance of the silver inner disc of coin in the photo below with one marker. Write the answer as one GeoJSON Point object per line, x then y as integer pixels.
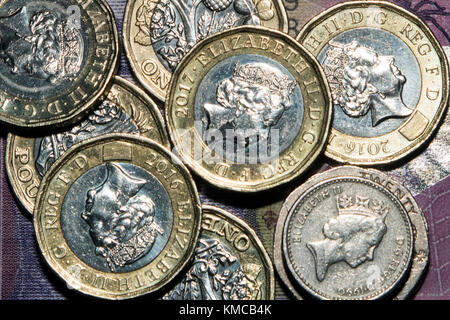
{"type": "Point", "coordinates": [212, 260]}
{"type": "Point", "coordinates": [44, 47]}
{"type": "Point", "coordinates": [248, 105]}
{"type": "Point", "coordinates": [375, 81]}
{"type": "Point", "coordinates": [117, 217]}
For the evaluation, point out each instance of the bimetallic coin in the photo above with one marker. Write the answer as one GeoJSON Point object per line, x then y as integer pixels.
{"type": "Point", "coordinates": [249, 109]}
{"type": "Point", "coordinates": [56, 59]}
{"type": "Point", "coordinates": [230, 263]}
{"type": "Point", "coordinates": [117, 217]}
{"type": "Point", "coordinates": [126, 109]}
{"type": "Point", "coordinates": [388, 77]}
{"type": "Point", "coordinates": [158, 33]}
{"type": "Point", "coordinates": [419, 223]}
{"type": "Point", "coordinates": [346, 237]}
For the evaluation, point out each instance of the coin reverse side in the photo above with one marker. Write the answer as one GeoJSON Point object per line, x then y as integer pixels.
{"type": "Point", "coordinates": [230, 263]}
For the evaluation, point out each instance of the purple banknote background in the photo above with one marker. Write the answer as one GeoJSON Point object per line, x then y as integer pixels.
{"type": "Point", "coordinates": [434, 13]}
{"type": "Point", "coordinates": [435, 204]}
{"type": "Point", "coordinates": [24, 274]}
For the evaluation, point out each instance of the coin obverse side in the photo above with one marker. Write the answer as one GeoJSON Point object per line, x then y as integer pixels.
{"type": "Point", "coordinates": [420, 259]}
{"type": "Point", "coordinates": [230, 263]}
{"type": "Point", "coordinates": [388, 77]}
{"type": "Point", "coordinates": [347, 237]}
{"type": "Point", "coordinates": [126, 109]}
{"type": "Point", "coordinates": [249, 109]}
{"type": "Point", "coordinates": [57, 58]}
{"type": "Point", "coordinates": [117, 217]}
{"type": "Point", "coordinates": [158, 33]}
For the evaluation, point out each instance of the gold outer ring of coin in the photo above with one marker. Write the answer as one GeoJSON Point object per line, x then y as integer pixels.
{"type": "Point", "coordinates": [160, 163]}
{"type": "Point", "coordinates": [307, 145]}
{"type": "Point", "coordinates": [431, 107]}
{"type": "Point", "coordinates": [420, 259]}
{"type": "Point", "coordinates": [144, 61]}
{"type": "Point", "coordinates": [242, 240]}
{"type": "Point", "coordinates": [90, 89]}
{"type": "Point", "coordinates": [20, 157]}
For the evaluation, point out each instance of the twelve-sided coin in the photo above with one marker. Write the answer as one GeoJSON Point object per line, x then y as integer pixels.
{"type": "Point", "coordinates": [249, 109]}
{"type": "Point", "coordinates": [117, 217]}
{"type": "Point", "coordinates": [388, 77]}
{"type": "Point", "coordinates": [56, 59]}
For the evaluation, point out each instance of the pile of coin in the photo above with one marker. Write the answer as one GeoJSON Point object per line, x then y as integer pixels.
{"type": "Point", "coordinates": [247, 109]}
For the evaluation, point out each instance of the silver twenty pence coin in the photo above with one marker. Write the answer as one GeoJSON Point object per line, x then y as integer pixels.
{"type": "Point", "coordinates": [347, 237]}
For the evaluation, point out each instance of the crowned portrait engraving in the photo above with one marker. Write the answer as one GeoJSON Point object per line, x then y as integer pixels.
{"type": "Point", "coordinates": [361, 80]}
{"type": "Point", "coordinates": [47, 47]}
{"type": "Point", "coordinates": [217, 274]}
{"type": "Point", "coordinates": [108, 118]}
{"type": "Point", "coordinates": [352, 236]}
{"type": "Point", "coordinates": [250, 103]}
{"type": "Point", "coordinates": [121, 218]}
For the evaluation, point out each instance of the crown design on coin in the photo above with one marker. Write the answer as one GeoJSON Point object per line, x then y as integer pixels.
{"type": "Point", "coordinates": [362, 206]}
{"type": "Point", "coordinates": [130, 250]}
{"type": "Point", "coordinates": [338, 51]}
{"type": "Point", "coordinates": [256, 75]}
{"type": "Point", "coordinates": [337, 59]}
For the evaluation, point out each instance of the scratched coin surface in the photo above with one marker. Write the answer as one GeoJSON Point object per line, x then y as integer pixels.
{"type": "Point", "coordinates": [419, 223]}
{"type": "Point", "coordinates": [248, 109]}
{"type": "Point", "coordinates": [158, 33]}
{"type": "Point", "coordinates": [117, 217]}
{"type": "Point", "coordinates": [230, 263]}
{"type": "Point", "coordinates": [346, 237]}
{"type": "Point", "coordinates": [126, 109]}
{"type": "Point", "coordinates": [56, 59]}
{"type": "Point", "coordinates": [388, 77]}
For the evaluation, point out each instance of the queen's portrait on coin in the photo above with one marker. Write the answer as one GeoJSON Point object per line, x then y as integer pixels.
{"type": "Point", "coordinates": [121, 218]}
{"type": "Point", "coordinates": [363, 81]}
{"type": "Point", "coordinates": [52, 49]}
{"type": "Point", "coordinates": [251, 102]}
{"type": "Point", "coordinates": [352, 236]}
